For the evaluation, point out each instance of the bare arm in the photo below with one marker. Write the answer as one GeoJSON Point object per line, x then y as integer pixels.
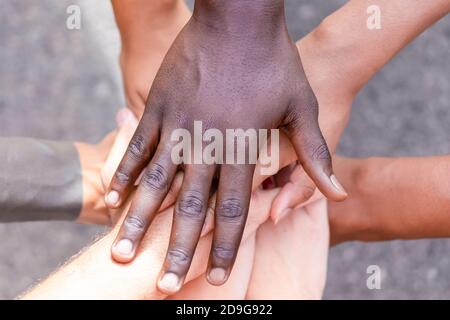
{"type": "Point", "coordinates": [358, 52]}
{"type": "Point", "coordinates": [147, 29]}
{"type": "Point", "coordinates": [393, 198]}
{"type": "Point", "coordinates": [94, 275]}
{"type": "Point", "coordinates": [341, 55]}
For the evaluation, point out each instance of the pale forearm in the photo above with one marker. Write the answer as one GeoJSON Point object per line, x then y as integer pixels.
{"type": "Point", "coordinates": [359, 52]}
{"type": "Point", "coordinates": [94, 275]}
{"type": "Point", "coordinates": [148, 29]}
{"type": "Point", "coordinates": [142, 19]}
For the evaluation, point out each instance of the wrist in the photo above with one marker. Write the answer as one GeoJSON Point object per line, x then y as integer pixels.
{"type": "Point", "coordinates": [330, 53]}
{"type": "Point", "coordinates": [149, 23]}
{"type": "Point", "coordinates": [352, 220]}
{"type": "Point", "coordinates": [241, 17]}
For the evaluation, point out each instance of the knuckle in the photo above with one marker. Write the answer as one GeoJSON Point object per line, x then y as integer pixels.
{"type": "Point", "coordinates": [295, 121]}
{"type": "Point", "coordinates": [225, 253]}
{"type": "Point", "coordinates": [156, 178]}
{"type": "Point", "coordinates": [135, 224]}
{"type": "Point", "coordinates": [137, 147]}
{"type": "Point", "coordinates": [178, 256]}
{"type": "Point", "coordinates": [191, 204]}
{"type": "Point", "coordinates": [122, 176]}
{"type": "Point", "coordinates": [321, 152]}
{"type": "Point", "coordinates": [230, 208]}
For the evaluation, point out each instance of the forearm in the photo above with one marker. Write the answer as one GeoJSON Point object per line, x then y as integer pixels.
{"type": "Point", "coordinates": [148, 29]}
{"type": "Point", "coordinates": [39, 180]}
{"type": "Point", "coordinates": [358, 52]}
{"type": "Point", "coordinates": [94, 275]}
{"type": "Point", "coordinates": [341, 55]}
{"type": "Point", "coordinates": [142, 19]}
{"type": "Point", "coordinates": [397, 198]}
{"type": "Point", "coordinates": [240, 17]}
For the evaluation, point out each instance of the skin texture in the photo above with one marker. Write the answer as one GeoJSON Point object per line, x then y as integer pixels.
{"type": "Point", "coordinates": [217, 74]}
{"type": "Point", "coordinates": [358, 54]}
{"type": "Point", "coordinates": [418, 208]}
{"type": "Point", "coordinates": [147, 29]}
{"type": "Point", "coordinates": [333, 79]}
{"type": "Point", "coordinates": [300, 270]}
{"type": "Point", "coordinates": [300, 273]}
{"type": "Point", "coordinates": [94, 275]}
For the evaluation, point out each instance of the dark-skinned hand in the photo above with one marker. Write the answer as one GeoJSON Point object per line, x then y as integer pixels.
{"type": "Point", "coordinates": [232, 66]}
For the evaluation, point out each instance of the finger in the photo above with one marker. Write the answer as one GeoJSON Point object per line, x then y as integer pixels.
{"type": "Point", "coordinates": [172, 194]}
{"type": "Point", "coordinates": [169, 200]}
{"type": "Point", "coordinates": [151, 192]}
{"type": "Point", "coordinates": [124, 135]}
{"type": "Point", "coordinates": [189, 216]}
{"type": "Point", "coordinates": [156, 241]}
{"type": "Point", "coordinates": [296, 189]}
{"type": "Point", "coordinates": [300, 273]}
{"type": "Point", "coordinates": [286, 156]}
{"type": "Point", "coordinates": [139, 152]}
{"type": "Point", "coordinates": [313, 153]}
{"type": "Point", "coordinates": [236, 286]}
{"type": "Point", "coordinates": [258, 214]}
{"type": "Point", "coordinates": [233, 198]}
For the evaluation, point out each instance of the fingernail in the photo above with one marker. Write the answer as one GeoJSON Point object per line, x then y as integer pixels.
{"type": "Point", "coordinates": [217, 276]}
{"type": "Point", "coordinates": [124, 247]}
{"type": "Point", "coordinates": [112, 198]}
{"type": "Point", "coordinates": [337, 184]}
{"type": "Point", "coordinates": [282, 215]}
{"type": "Point", "coordinates": [169, 282]}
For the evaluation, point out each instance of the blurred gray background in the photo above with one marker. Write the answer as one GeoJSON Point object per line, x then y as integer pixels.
{"type": "Point", "coordinates": [62, 84]}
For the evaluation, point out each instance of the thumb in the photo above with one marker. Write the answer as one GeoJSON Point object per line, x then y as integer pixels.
{"type": "Point", "coordinates": [313, 153]}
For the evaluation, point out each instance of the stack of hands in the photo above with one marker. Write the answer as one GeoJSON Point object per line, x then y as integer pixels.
{"type": "Point", "coordinates": [266, 238]}
{"type": "Point", "coordinates": [232, 64]}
